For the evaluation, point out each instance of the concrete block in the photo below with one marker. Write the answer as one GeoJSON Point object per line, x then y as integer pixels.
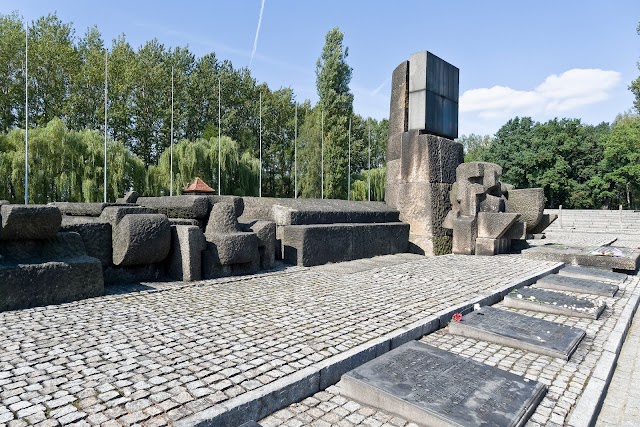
{"type": "Point", "coordinates": [494, 225]}
{"type": "Point", "coordinates": [465, 231]}
{"type": "Point", "coordinates": [29, 222]}
{"type": "Point", "coordinates": [545, 221]}
{"type": "Point", "coordinates": [141, 239]}
{"type": "Point", "coordinates": [398, 115]}
{"type": "Point", "coordinates": [529, 203]}
{"type": "Point", "coordinates": [487, 246]}
{"type": "Point", "coordinates": [186, 206]}
{"type": "Point", "coordinates": [114, 214]}
{"type": "Point", "coordinates": [233, 248]}
{"type": "Point", "coordinates": [80, 209]}
{"type": "Point", "coordinates": [266, 233]}
{"type": "Point", "coordinates": [222, 219]}
{"type": "Point", "coordinates": [236, 201]}
{"type": "Point", "coordinates": [96, 237]}
{"type": "Point", "coordinates": [185, 256]}
{"type": "Point", "coordinates": [35, 273]}
{"type": "Point", "coordinates": [308, 245]}
{"type": "Point", "coordinates": [517, 231]}
{"type": "Point", "coordinates": [417, 110]}
{"type": "Point", "coordinates": [130, 197]}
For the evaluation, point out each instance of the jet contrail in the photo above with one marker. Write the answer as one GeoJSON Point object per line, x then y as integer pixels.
{"type": "Point", "coordinates": [255, 41]}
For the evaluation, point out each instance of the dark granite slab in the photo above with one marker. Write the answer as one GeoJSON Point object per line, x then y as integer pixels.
{"type": "Point", "coordinates": [592, 274]}
{"type": "Point", "coordinates": [430, 386]}
{"type": "Point", "coordinates": [519, 331]}
{"type": "Point", "coordinates": [582, 256]}
{"type": "Point", "coordinates": [552, 302]}
{"type": "Point", "coordinates": [571, 284]}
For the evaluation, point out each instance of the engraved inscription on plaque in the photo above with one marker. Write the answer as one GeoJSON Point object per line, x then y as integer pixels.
{"type": "Point", "coordinates": [592, 274]}
{"type": "Point", "coordinates": [519, 331]}
{"type": "Point", "coordinates": [572, 284]}
{"type": "Point", "coordinates": [429, 386]}
{"type": "Point", "coordinates": [553, 302]}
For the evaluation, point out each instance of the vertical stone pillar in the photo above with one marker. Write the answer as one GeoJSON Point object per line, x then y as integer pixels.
{"type": "Point", "coordinates": [421, 154]}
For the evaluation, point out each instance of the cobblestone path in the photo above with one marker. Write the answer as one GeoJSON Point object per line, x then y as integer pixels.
{"type": "Point", "coordinates": [158, 356]}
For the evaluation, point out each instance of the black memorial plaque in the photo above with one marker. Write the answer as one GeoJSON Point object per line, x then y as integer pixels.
{"type": "Point", "coordinates": [552, 302]}
{"type": "Point", "coordinates": [430, 386]}
{"type": "Point", "coordinates": [556, 282]}
{"type": "Point", "coordinates": [519, 331]}
{"type": "Point", "coordinates": [592, 274]}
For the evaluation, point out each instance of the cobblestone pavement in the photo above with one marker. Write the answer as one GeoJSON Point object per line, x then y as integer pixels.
{"type": "Point", "coordinates": [621, 407]}
{"type": "Point", "coordinates": [158, 356]}
{"type": "Point", "coordinates": [565, 379]}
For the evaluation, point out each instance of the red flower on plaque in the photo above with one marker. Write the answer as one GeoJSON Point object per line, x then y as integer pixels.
{"type": "Point", "coordinates": [457, 317]}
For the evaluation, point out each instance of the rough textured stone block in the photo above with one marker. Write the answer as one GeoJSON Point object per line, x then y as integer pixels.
{"type": "Point", "coordinates": [141, 239]}
{"type": "Point", "coordinates": [29, 222]}
{"type": "Point", "coordinates": [50, 271]}
{"type": "Point", "coordinates": [187, 206]}
{"type": "Point", "coordinates": [80, 209]}
{"type": "Point", "coordinates": [545, 221]}
{"type": "Point", "coordinates": [394, 147]}
{"type": "Point", "coordinates": [316, 211]}
{"type": "Point", "coordinates": [399, 105]}
{"type": "Point", "coordinates": [487, 246]}
{"type": "Point", "coordinates": [465, 232]}
{"type": "Point", "coordinates": [237, 202]}
{"type": "Point", "coordinates": [114, 214]}
{"type": "Point", "coordinates": [96, 237]}
{"type": "Point", "coordinates": [118, 275]}
{"type": "Point", "coordinates": [308, 245]}
{"type": "Point", "coordinates": [4, 202]}
{"type": "Point", "coordinates": [185, 257]}
{"type": "Point", "coordinates": [266, 233]}
{"type": "Point", "coordinates": [233, 248]}
{"type": "Point", "coordinates": [517, 231]}
{"type": "Point", "coordinates": [529, 203]}
{"type": "Point", "coordinates": [130, 197]}
{"type": "Point", "coordinates": [53, 282]}
{"type": "Point", "coordinates": [493, 225]}
{"type": "Point", "coordinates": [222, 219]}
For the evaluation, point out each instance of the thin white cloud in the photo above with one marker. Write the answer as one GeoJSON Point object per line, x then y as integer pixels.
{"type": "Point", "coordinates": [255, 41]}
{"type": "Point", "coordinates": [557, 94]}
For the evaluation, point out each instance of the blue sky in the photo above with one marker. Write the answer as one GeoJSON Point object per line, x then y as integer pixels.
{"type": "Point", "coordinates": [544, 59]}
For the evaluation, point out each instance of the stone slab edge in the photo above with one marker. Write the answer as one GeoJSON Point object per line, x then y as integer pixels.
{"type": "Point", "coordinates": [263, 401]}
{"type": "Point", "coordinates": [587, 409]}
{"type": "Point", "coordinates": [523, 304]}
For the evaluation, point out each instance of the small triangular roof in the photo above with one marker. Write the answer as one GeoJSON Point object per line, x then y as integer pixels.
{"type": "Point", "coordinates": [198, 186]}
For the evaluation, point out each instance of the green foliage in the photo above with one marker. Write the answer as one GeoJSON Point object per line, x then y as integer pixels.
{"type": "Point", "coordinates": [333, 75]}
{"type": "Point", "coordinates": [562, 156]}
{"type": "Point", "coordinates": [620, 182]}
{"type": "Point", "coordinates": [66, 81]}
{"type": "Point", "coordinates": [474, 146]}
{"type": "Point", "coordinates": [65, 165]}
{"type": "Point", "coordinates": [360, 185]}
{"type": "Point", "coordinates": [634, 87]}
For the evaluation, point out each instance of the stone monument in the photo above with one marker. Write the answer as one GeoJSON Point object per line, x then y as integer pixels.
{"type": "Point", "coordinates": [421, 154]}
{"type": "Point", "coordinates": [486, 214]}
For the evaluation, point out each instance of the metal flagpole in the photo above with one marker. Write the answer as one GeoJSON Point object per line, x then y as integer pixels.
{"type": "Point", "coordinates": [219, 134]}
{"type": "Point", "coordinates": [171, 138]}
{"type": "Point", "coordinates": [295, 156]}
{"type": "Point", "coordinates": [349, 174]}
{"type": "Point", "coordinates": [26, 113]}
{"type": "Point", "coordinates": [104, 184]}
{"type": "Point", "coordinates": [369, 174]}
{"type": "Point", "coordinates": [322, 155]}
{"type": "Point", "coordinates": [260, 180]}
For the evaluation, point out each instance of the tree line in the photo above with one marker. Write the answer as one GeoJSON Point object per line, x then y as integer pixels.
{"type": "Point", "coordinates": [66, 107]}
{"type": "Point", "coordinates": [579, 166]}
